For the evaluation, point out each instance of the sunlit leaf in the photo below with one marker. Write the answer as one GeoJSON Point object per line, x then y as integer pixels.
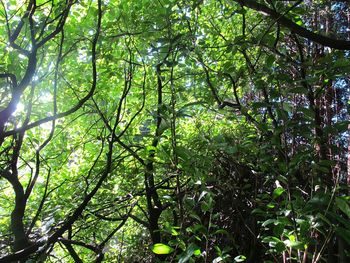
{"type": "Point", "coordinates": [277, 192]}
{"type": "Point", "coordinates": [161, 249]}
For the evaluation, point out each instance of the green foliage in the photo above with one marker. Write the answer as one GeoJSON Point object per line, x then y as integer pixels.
{"type": "Point", "coordinates": [174, 131]}
{"type": "Point", "coordinates": [161, 249]}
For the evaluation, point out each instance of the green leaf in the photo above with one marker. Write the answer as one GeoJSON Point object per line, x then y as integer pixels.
{"type": "Point", "coordinates": [164, 125]}
{"type": "Point", "coordinates": [269, 61]}
{"type": "Point", "coordinates": [270, 205]}
{"type": "Point", "coordinates": [341, 126]}
{"type": "Point", "coordinates": [274, 243]}
{"type": "Point", "coordinates": [278, 229]}
{"type": "Point", "coordinates": [269, 239]}
{"type": "Point", "coordinates": [197, 252]}
{"type": "Point", "coordinates": [308, 112]}
{"type": "Point", "coordinates": [344, 234]}
{"type": "Point", "coordinates": [319, 201]}
{"type": "Point", "coordinates": [258, 211]}
{"type": "Point", "coordinates": [268, 222]}
{"type": "Point", "coordinates": [304, 226]}
{"type": "Point", "coordinates": [240, 258]}
{"type": "Point", "coordinates": [299, 90]}
{"type": "Point", "coordinates": [191, 250]}
{"type": "Point", "coordinates": [161, 249]}
{"type": "Point", "coordinates": [343, 62]}
{"type": "Point", "coordinates": [258, 105]}
{"type": "Point", "coordinates": [335, 217]}
{"type": "Point", "coordinates": [294, 244]}
{"type": "Point", "coordinates": [343, 206]}
{"type": "Point", "coordinates": [174, 232]}
{"type": "Point", "coordinates": [299, 22]}
{"type": "Point", "coordinates": [221, 232]}
{"type": "Point", "coordinates": [277, 192]}
{"type": "Point", "coordinates": [183, 153]}
{"type": "Point", "coordinates": [150, 148]}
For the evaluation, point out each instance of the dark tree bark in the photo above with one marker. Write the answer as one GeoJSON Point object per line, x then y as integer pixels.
{"type": "Point", "coordinates": [299, 30]}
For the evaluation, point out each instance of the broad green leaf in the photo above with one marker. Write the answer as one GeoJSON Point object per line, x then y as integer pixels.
{"type": "Point", "coordinates": [343, 233]}
{"type": "Point", "coordinates": [294, 244]}
{"type": "Point", "coordinates": [274, 243]}
{"type": "Point", "coordinates": [191, 249]}
{"type": "Point", "coordinates": [161, 249]}
{"type": "Point", "coordinates": [343, 205]}
{"type": "Point", "coordinates": [270, 205]}
{"type": "Point", "coordinates": [269, 221]}
{"type": "Point", "coordinates": [277, 192]}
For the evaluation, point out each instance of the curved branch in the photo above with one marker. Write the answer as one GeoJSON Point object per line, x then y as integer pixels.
{"type": "Point", "coordinates": [11, 76]}
{"type": "Point", "coordinates": [78, 243]}
{"type": "Point", "coordinates": [42, 244]}
{"type": "Point", "coordinates": [299, 30]}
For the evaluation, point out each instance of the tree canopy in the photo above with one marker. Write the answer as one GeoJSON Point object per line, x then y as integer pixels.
{"type": "Point", "coordinates": [174, 131]}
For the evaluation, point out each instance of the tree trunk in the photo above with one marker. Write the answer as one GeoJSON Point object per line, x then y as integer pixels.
{"type": "Point", "coordinates": [17, 226]}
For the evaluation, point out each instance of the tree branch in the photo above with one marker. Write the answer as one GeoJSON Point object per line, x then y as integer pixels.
{"type": "Point", "coordinates": [299, 30]}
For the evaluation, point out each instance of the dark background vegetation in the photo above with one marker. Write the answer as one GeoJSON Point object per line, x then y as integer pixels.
{"type": "Point", "coordinates": [174, 131]}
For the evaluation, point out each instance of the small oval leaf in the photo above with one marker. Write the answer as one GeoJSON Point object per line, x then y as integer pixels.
{"type": "Point", "coordinates": [161, 249]}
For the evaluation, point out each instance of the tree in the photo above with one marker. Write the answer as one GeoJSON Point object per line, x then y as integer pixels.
{"type": "Point", "coordinates": [174, 130]}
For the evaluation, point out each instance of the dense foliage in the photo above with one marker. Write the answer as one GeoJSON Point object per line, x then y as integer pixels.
{"type": "Point", "coordinates": [174, 131]}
